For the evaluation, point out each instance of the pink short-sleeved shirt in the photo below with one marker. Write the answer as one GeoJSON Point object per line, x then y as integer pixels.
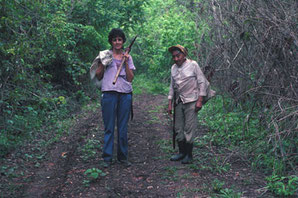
{"type": "Point", "coordinates": [121, 85]}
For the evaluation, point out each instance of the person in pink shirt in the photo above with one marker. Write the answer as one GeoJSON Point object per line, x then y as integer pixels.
{"type": "Point", "coordinates": [116, 99]}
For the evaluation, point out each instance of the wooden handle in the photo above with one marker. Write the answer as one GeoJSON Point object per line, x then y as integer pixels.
{"type": "Point", "coordinates": [118, 71]}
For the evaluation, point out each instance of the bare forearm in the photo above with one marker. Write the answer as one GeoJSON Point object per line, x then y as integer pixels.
{"type": "Point", "coordinates": [129, 73]}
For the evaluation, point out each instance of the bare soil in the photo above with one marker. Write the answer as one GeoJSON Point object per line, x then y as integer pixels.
{"type": "Point", "coordinates": [57, 169]}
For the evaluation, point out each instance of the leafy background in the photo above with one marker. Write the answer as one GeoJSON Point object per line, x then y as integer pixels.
{"type": "Point", "coordinates": [247, 49]}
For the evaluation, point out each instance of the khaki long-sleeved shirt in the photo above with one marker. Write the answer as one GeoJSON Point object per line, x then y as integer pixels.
{"type": "Point", "coordinates": [188, 82]}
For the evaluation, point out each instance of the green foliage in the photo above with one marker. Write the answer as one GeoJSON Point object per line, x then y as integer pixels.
{"type": "Point", "coordinates": [142, 84]}
{"type": "Point", "coordinates": [167, 24]}
{"type": "Point", "coordinates": [10, 172]}
{"type": "Point", "coordinates": [89, 150]}
{"type": "Point", "coordinates": [92, 175]}
{"type": "Point", "coordinates": [229, 193]}
{"type": "Point", "coordinates": [239, 127]}
{"type": "Point", "coordinates": [217, 185]}
{"type": "Point", "coordinates": [282, 186]}
{"type": "Point", "coordinates": [226, 125]}
{"type": "Point", "coordinates": [266, 161]}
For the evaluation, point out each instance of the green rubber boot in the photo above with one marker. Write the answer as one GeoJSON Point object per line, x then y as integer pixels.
{"type": "Point", "coordinates": [188, 157]}
{"type": "Point", "coordinates": [182, 152]}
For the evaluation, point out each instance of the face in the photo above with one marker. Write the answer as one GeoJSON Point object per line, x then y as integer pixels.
{"type": "Point", "coordinates": [178, 57]}
{"type": "Point", "coordinates": [117, 43]}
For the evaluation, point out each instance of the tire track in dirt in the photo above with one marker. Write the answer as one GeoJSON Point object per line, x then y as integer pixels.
{"type": "Point", "coordinates": [52, 174]}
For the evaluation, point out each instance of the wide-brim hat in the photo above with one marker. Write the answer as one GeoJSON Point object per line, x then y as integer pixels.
{"type": "Point", "coordinates": [178, 47]}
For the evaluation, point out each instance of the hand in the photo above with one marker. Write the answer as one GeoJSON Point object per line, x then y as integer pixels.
{"type": "Point", "coordinates": [198, 106]}
{"type": "Point", "coordinates": [126, 56]}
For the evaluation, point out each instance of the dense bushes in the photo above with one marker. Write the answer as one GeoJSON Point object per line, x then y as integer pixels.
{"type": "Point", "coordinates": [256, 59]}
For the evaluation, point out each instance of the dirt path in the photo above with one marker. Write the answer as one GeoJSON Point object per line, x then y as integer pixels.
{"type": "Point", "coordinates": [61, 172]}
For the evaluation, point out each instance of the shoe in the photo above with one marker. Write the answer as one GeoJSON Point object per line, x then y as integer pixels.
{"type": "Point", "coordinates": [126, 163]}
{"type": "Point", "coordinates": [182, 152]}
{"type": "Point", "coordinates": [188, 157]}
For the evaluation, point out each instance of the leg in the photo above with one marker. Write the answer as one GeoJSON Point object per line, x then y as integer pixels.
{"type": "Point", "coordinates": [190, 130]}
{"type": "Point", "coordinates": [179, 127]}
{"type": "Point", "coordinates": [179, 122]}
{"type": "Point", "coordinates": [123, 112]}
{"type": "Point", "coordinates": [181, 154]}
{"type": "Point", "coordinates": [109, 106]}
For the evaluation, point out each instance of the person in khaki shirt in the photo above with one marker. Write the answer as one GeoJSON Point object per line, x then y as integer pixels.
{"type": "Point", "coordinates": [188, 86]}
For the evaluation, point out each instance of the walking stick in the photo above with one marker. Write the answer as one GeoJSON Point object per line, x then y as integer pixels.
{"type": "Point", "coordinates": [174, 115]}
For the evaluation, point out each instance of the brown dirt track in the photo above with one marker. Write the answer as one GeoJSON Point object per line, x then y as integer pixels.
{"type": "Point", "coordinates": [60, 171]}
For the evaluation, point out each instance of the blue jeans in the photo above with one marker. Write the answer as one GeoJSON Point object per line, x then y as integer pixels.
{"type": "Point", "coordinates": [115, 106]}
